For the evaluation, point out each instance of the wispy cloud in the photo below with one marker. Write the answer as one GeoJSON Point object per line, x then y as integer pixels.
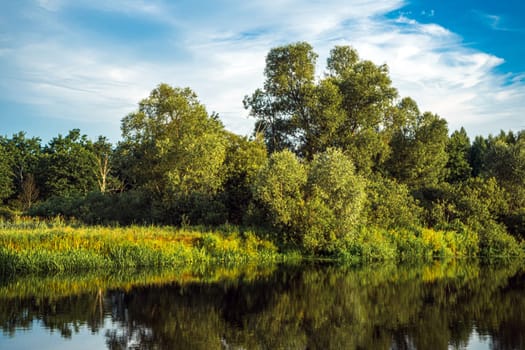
{"type": "Point", "coordinates": [496, 22]}
{"type": "Point", "coordinates": [69, 72]}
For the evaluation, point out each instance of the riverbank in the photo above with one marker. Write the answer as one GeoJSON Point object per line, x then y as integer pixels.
{"type": "Point", "coordinates": [46, 247]}
{"type": "Point", "coordinates": [35, 246]}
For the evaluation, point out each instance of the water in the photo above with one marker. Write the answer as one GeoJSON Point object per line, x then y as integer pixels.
{"type": "Point", "coordinates": [442, 306]}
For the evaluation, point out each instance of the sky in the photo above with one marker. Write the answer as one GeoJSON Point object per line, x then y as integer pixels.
{"type": "Point", "coordinates": [86, 64]}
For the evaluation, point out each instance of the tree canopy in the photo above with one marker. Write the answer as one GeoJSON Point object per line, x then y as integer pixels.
{"type": "Point", "coordinates": [332, 154]}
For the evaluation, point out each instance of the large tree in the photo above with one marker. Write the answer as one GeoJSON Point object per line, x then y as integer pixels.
{"type": "Point", "coordinates": [244, 158]}
{"type": "Point", "coordinates": [348, 109]}
{"type": "Point", "coordinates": [282, 107]}
{"type": "Point", "coordinates": [505, 160]}
{"type": "Point", "coordinates": [367, 99]}
{"type": "Point", "coordinates": [25, 154]}
{"type": "Point", "coordinates": [6, 174]}
{"type": "Point", "coordinates": [335, 197]}
{"type": "Point", "coordinates": [317, 206]}
{"type": "Point", "coordinates": [67, 166]}
{"type": "Point", "coordinates": [418, 156]}
{"type": "Point", "coordinates": [280, 187]}
{"type": "Point", "coordinates": [458, 150]}
{"type": "Point", "coordinates": [173, 149]}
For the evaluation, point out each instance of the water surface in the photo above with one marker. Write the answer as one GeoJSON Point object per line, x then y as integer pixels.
{"type": "Point", "coordinates": [442, 306]}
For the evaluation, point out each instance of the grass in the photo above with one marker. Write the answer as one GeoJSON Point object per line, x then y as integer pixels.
{"type": "Point", "coordinates": [34, 246]}
{"type": "Point", "coordinates": [411, 245]}
{"type": "Point", "coordinates": [31, 246]}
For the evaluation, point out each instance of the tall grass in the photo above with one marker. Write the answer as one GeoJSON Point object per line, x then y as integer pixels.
{"type": "Point", "coordinates": [39, 247]}
{"type": "Point", "coordinates": [34, 246]}
{"type": "Point", "coordinates": [417, 244]}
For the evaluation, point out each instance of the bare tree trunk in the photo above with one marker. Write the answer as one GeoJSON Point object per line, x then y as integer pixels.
{"type": "Point", "coordinates": [30, 192]}
{"type": "Point", "coordinates": [103, 172]}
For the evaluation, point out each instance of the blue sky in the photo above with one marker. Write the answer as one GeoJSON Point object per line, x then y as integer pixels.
{"type": "Point", "coordinates": [87, 63]}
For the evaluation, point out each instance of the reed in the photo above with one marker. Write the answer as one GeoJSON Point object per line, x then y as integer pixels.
{"type": "Point", "coordinates": [38, 248]}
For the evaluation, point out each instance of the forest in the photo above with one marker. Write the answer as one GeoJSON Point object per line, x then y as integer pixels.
{"type": "Point", "coordinates": [339, 165]}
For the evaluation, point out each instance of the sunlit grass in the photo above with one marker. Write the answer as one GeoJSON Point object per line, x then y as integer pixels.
{"type": "Point", "coordinates": [34, 246]}
{"type": "Point", "coordinates": [40, 247]}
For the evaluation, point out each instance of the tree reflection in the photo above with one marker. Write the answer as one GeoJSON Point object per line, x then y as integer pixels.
{"type": "Point", "coordinates": [313, 307]}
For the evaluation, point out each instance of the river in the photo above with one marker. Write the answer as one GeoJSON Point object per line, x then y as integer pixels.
{"type": "Point", "coordinates": [452, 305]}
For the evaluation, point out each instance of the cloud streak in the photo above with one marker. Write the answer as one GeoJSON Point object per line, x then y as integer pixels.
{"type": "Point", "coordinates": [74, 73]}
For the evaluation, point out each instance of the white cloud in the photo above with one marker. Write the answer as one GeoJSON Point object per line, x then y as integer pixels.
{"type": "Point", "coordinates": [221, 55]}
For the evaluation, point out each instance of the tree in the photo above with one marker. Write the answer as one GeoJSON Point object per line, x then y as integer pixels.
{"type": "Point", "coordinates": [390, 205]}
{"type": "Point", "coordinates": [25, 154]}
{"type": "Point", "coordinates": [281, 108]}
{"type": "Point", "coordinates": [458, 150]}
{"type": "Point", "coordinates": [348, 109]}
{"type": "Point", "coordinates": [477, 155]}
{"type": "Point", "coordinates": [6, 175]}
{"type": "Point", "coordinates": [280, 188]}
{"type": "Point", "coordinates": [318, 206]}
{"type": "Point", "coordinates": [367, 99]}
{"type": "Point", "coordinates": [29, 193]}
{"type": "Point", "coordinates": [244, 159]}
{"type": "Point", "coordinates": [68, 166]}
{"type": "Point", "coordinates": [418, 156]}
{"type": "Point", "coordinates": [505, 160]}
{"type": "Point", "coordinates": [173, 149]}
{"type": "Point", "coordinates": [335, 197]}
{"type": "Point", "coordinates": [104, 168]}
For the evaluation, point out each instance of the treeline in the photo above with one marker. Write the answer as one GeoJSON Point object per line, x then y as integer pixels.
{"type": "Point", "coordinates": [332, 161]}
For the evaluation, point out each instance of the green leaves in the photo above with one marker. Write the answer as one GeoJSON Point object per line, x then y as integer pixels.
{"type": "Point", "coordinates": [173, 149]}
{"type": "Point", "coordinates": [68, 165]}
{"type": "Point", "coordinates": [6, 175]}
{"type": "Point", "coordinates": [347, 109]}
{"type": "Point", "coordinates": [418, 149]}
{"type": "Point", "coordinates": [336, 198]}
{"type": "Point", "coordinates": [458, 148]}
{"type": "Point", "coordinates": [280, 186]}
{"type": "Point", "coordinates": [320, 203]}
{"type": "Point", "coordinates": [282, 108]}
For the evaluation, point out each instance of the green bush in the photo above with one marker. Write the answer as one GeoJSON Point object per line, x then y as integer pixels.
{"type": "Point", "coordinates": [390, 205]}
{"type": "Point", "coordinates": [7, 214]}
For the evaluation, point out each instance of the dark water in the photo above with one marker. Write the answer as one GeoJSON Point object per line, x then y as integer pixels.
{"type": "Point", "coordinates": [443, 306]}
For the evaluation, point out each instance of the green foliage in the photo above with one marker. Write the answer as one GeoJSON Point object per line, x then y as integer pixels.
{"type": "Point", "coordinates": [390, 205]}
{"type": "Point", "coordinates": [416, 245]}
{"type": "Point", "coordinates": [343, 155]}
{"type": "Point", "coordinates": [6, 175]}
{"type": "Point", "coordinates": [458, 150]}
{"type": "Point", "coordinates": [173, 149]}
{"type": "Point", "coordinates": [318, 207]}
{"type": "Point", "coordinates": [282, 108]}
{"type": "Point", "coordinates": [515, 224]}
{"type": "Point", "coordinates": [367, 97]}
{"type": "Point", "coordinates": [244, 158]}
{"type": "Point", "coordinates": [280, 188]}
{"type": "Point", "coordinates": [67, 166]}
{"type": "Point", "coordinates": [418, 156]}
{"type": "Point", "coordinates": [344, 110]}
{"type": "Point", "coordinates": [64, 248]}
{"type": "Point", "coordinates": [130, 207]}
{"type": "Point", "coordinates": [335, 198]}
{"type": "Point", "coordinates": [477, 154]}
{"type": "Point", "coordinates": [24, 154]}
{"type": "Point", "coordinates": [475, 203]}
{"type": "Point", "coordinates": [7, 214]}
{"type": "Point", "coordinates": [505, 160]}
